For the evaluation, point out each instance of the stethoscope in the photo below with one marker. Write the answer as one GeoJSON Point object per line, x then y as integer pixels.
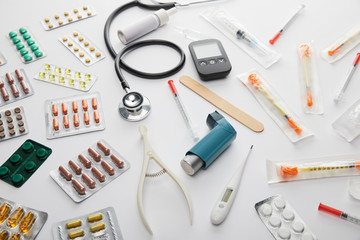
{"type": "Point", "coordinates": [134, 106]}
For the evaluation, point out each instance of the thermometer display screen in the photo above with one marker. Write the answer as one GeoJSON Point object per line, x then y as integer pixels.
{"type": "Point", "coordinates": [227, 195]}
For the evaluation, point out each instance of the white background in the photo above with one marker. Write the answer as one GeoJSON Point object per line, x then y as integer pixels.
{"type": "Point", "coordinates": [322, 21]}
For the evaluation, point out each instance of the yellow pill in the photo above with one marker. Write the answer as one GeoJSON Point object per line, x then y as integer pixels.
{"type": "Point", "coordinates": [89, 13]}
{"type": "Point", "coordinates": [71, 82]}
{"type": "Point", "coordinates": [76, 233]}
{"type": "Point", "coordinates": [82, 84]}
{"type": "Point", "coordinates": [15, 217]}
{"type": "Point", "coordinates": [50, 26]}
{"type": "Point", "coordinates": [77, 75]}
{"type": "Point", "coordinates": [67, 71]}
{"type": "Point", "coordinates": [27, 222]}
{"type": "Point", "coordinates": [61, 22]}
{"type": "Point", "coordinates": [64, 39]}
{"type": "Point", "coordinates": [81, 39]}
{"type": "Point", "coordinates": [85, 7]}
{"type": "Point", "coordinates": [70, 44]}
{"type": "Point", "coordinates": [76, 49]}
{"type": "Point", "coordinates": [57, 70]}
{"type": "Point", "coordinates": [75, 34]}
{"type": "Point", "coordinates": [79, 16]}
{"type": "Point", "coordinates": [4, 235]}
{"type": "Point", "coordinates": [4, 212]}
{"type": "Point", "coordinates": [81, 54]}
{"type": "Point", "coordinates": [95, 217]}
{"type": "Point", "coordinates": [57, 16]}
{"type": "Point", "coordinates": [15, 236]}
{"type": "Point", "coordinates": [76, 11]}
{"type": "Point", "coordinates": [70, 19]}
{"type": "Point", "coordinates": [97, 227]}
{"type": "Point", "coordinates": [73, 224]}
{"type": "Point", "coordinates": [66, 14]}
{"type": "Point", "coordinates": [47, 66]}
{"type": "Point", "coordinates": [47, 19]}
{"type": "Point", "coordinates": [98, 54]}
{"type": "Point", "coordinates": [86, 44]}
{"type": "Point", "coordinates": [52, 76]}
{"type": "Point", "coordinates": [42, 75]}
{"type": "Point", "coordinates": [92, 48]}
{"type": "Point", "coordinates": [87, 60]}
{"type": "Point", "coordinates": [61, 80]}
{"type": "Point", "coordinates": [87, 76]}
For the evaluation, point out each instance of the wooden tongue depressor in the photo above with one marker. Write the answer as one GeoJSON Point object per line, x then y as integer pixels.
{"type": "Point", "coordinates": [222, 104]}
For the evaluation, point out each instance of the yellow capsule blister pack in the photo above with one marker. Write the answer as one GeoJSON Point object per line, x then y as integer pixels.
{"type": "Point", "coordinates": [18, 222]}
{"type": "Point", "coordinates": [66, 77]}
{"type": "Point", "coordinates": [81, 46]}
{"type": "Point", "coordinates": [101, 224]}
{"type": "Point", "coordinates": [67, 17]}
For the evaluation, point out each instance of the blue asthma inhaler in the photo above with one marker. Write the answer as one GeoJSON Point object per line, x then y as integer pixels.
{"type": "Point", "coordinates": [207, 150]}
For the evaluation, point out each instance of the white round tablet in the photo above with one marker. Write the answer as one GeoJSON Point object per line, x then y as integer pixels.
{"type": "Point", "coordinates": [275, 221]}
{"type": "Point", "coordinates": [307, 236]}
{"type": "Point", "coordinates": [279, 203]}
{"type": "Point", "coordinates": [284, 233]}
{"type": "Point", "coordinates": [266, 210]}
{"type": "Point", "coordinates": [298, 227]}
{"type": "Point", "coordinates": [288, 215]}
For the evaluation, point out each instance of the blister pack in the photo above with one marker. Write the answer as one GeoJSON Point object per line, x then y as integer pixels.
{"type": "Point", "coordinates": [66, 77]}
{"type": "Point", "coordinates": [18, 222]}
{"type": "Point", "coordinates": [2, 59]}
{"type": "Point", "coordinates": [84, 49]}
{"type": "Point", "coordinates": [237, 33]}
{"type": "Point", "coordinates": [24, 162]}
{"type": "Point", "coordinates": [100, 224]}
{"type": "Point", "coordinates": [26, 46]}
{"type": "Point", "coordinates": [311, 99]}
{"type": "Point", "coordinates": [68, 17]}
{"type": "Point", "coordinates": [90, 171]}
{"type": "Point", "coordinates": [74, 115]}
{"type": "Point", "coordinates": [270, 100]}
{"type": "Point", "coordinates": [12, 123]}
{"type": "Point", "coordinates": [281, 219]}
{"type": "Point", "coordinates": [293, 170]}
{"type": "Point", "coordinates": [348, 124]}
{"type": "Point", "coordinates": [13, 90]}
{"type": "Point", "coordinates": [342, 45]}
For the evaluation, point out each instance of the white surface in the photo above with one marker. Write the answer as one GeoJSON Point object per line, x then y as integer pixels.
{"type": "Point", "coordinates": [165, 207]}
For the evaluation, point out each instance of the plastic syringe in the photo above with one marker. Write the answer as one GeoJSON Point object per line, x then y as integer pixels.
{"type": "Point", "coordinates": [183, 111]}
{"type": "Point", "coordinates": [339, 213]}
{"type": "Point", "coordinates": [340, 93]}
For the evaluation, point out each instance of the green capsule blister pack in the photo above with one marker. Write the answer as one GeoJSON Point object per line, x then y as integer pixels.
{"type": "Point", "coordinates": [26, 45]}
{"type": "Point", "coordinates": [24, 162]}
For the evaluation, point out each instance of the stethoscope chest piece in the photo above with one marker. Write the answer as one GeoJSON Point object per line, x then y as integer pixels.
{"type": "Point", "coordinates": [134, 107]}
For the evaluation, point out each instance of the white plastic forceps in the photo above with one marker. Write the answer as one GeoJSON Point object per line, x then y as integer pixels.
{"type": "Point", "coordinates": [149, 154]}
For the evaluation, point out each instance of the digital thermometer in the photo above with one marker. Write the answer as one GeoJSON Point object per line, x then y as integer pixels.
{"type": "Point", "coordinates": [210, 59]}
{"type": "Point", "coordinates": [225, 201]}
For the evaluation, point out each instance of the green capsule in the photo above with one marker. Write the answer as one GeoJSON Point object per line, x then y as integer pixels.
{"type": "Point", "coordinates": [28, 57]}
{"type": "Point", "coordinates": [23, 52]}
{"type": "Point", "coordinates": [34, 48]}
{"type": "Point", "coordinates": [41, 153]}
{"type": "Point", "coordinates": [16, 40]}
{"type": "Point", "coordinates": [26, 36]}
{"type": "Point", "coordinates": [23, 30]}
{"type": "Point", "coordinates": [19, 46]}
{"type": "Point", "coordinates": [30, 42]}
{"type": "Point", "coordinates": [12, 34]}
{"type": "Point", "coordinates": [4, 171]}
{"type": "Point", "coordinates": [27, 146]}
{"type": "Point", "coordinates": [15, 159]}
{"type": "Point", "coordinates": [38, 54]}
{"type": "Point", "coordinates": [17, 179]}
{"type": "Point", "coordinates": [30, 166]}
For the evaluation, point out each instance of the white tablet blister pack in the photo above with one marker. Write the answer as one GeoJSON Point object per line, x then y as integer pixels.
{"type": "Point", "coordinates": [282, 220]}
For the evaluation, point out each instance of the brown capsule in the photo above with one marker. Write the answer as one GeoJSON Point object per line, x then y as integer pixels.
{"type": "Point", "coordinates": [66, 121]}
{"type": "Point", "coordinates": [1, 83]}
{"type": "Point", "coordinates": [1, 128]}
{"type": "Point", "coordinates": [85, 161]}
{"type": "Point", "coordinates": [10, 126]}
{"type": "Point", "coordinates": [96, 116]}
{"type": "Point", "coordinates": [24, 87]}
{"type": "Point", "coordinates": [76, 120]}
{"type": "Point", "coordinates": [117, 161]}
{"type": "Point", "coordinates": [2, 134]}
{"type": "Point", "coordinates": [78, 186]}
{"type": "Point", "coordinates": [7, 113]}
{"type": "Point", "coordinates": [94, 154]}
{"type": "Point", "coordinates": [9, 120]}
{"type": "Point", "coordinates": [20, 123]}
{"type": "Point", "coordinates": [98, 174]}
{"type": "Point", "coordinates": [108, 168]}
{"type": "Point", "coordinates": [55, 124]}
{"type": "Point", "coordinates": [86, 118]}
{"type": "Point", "coordinates": [103, 148]}
{"type": "Point", "coordinates": [88, 180]}
{"type": "Point", "coordinates": [75, 167]}
{"type": "Point", "coordinates": [12, 132]}
{"type": "Point", "coordinates": [1, 122]}
{"type": "Point", "coordinates": [9, 78]}
{"type": "Point", "coordinates": [14, 90]}
{"type": "Point", "coordinates": [5, 94]}
{"type": "Point", "coordinates": [18, 117]}
{"type": "Point", "coordinates": [22, 129]}
{"type": "Point", "coordinates": [65, 173]}
{"type": "Point", "coordinates": [17, 110]}
{"type": "Point", "coordinates": [19, 76]}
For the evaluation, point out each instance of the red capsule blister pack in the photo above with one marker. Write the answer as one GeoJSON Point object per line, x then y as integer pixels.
{"type": "Point", "coordinates": [14, 86]}
{"type": "Point", "coordinates": [74, 115]}
{"type": "Point", "coordinates": [90, 171]}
